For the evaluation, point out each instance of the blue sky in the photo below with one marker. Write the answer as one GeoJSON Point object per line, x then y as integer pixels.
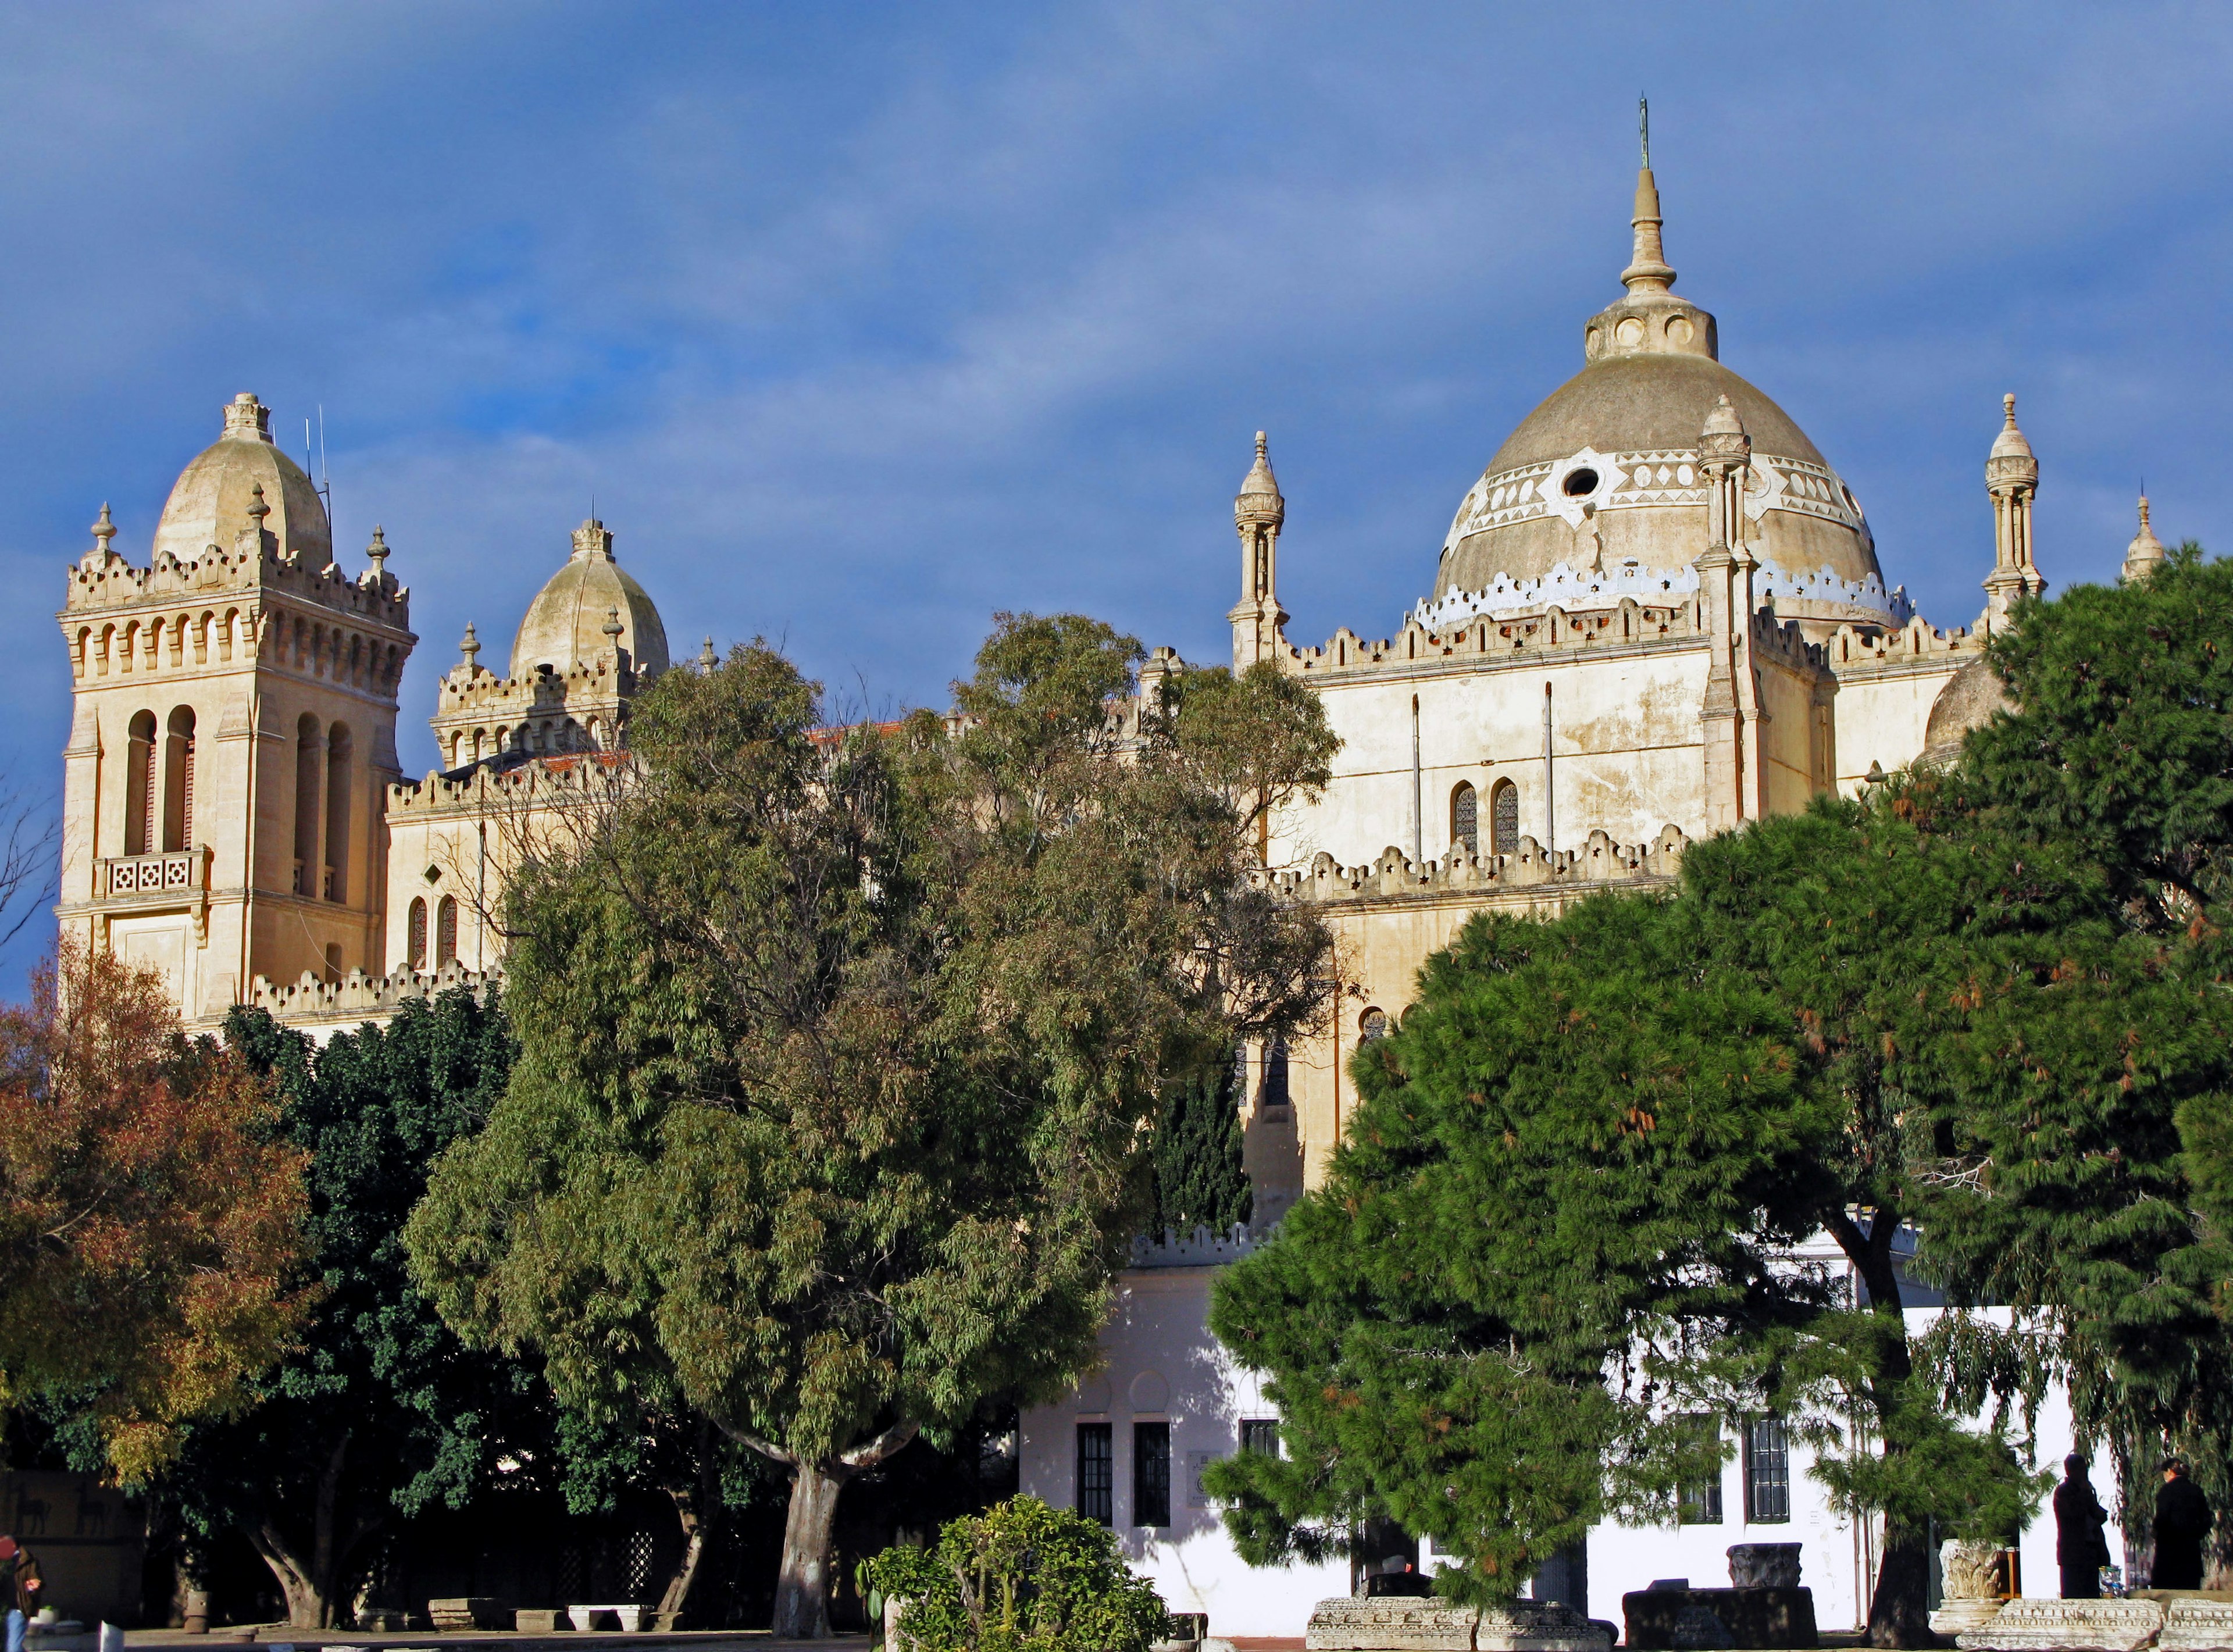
{"type": "Point", "coordinates": [863, 321]}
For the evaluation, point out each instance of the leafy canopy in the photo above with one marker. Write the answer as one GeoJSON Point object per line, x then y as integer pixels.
{"type": "Point", "coordinates": [149, 1221]}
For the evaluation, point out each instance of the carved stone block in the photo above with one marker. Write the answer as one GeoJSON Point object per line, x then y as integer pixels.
{"type": "Point", "coordinates": [2067, 1626]}
{"type": "Point", "coordinates": [1405, 1624]}
{"type": "Point", "coordinates": [2197, 1626]}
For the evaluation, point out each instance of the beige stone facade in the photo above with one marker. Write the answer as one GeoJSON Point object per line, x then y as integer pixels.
{"type": "Point", "coordinates": [1657, 615]}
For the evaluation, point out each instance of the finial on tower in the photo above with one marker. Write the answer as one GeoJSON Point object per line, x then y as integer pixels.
{"type": "Point", "coordinates": [612, 626]}
{"type": "Point", "coordinates": [469, 648]}
{"type": "Point", "coordinates": [2145, 554]}
{"type": "Point", "coordinates": [104, 531]}
{"type": "Point", "coordinates": [1259, 500]}
{"type": "Point", "coordinates": [1648, 270]}
{"type": "Point", "coordinates": [257, 510]}
{"type": "Point", "coordinates": [706, 658]}
{"type": "Point", "coordinates": [377, 551]}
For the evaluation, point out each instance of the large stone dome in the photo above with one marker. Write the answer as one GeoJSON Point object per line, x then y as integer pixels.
{"type": "Point", "coordinates": [565, 624]}
{"type": "Point", "coordinates": [209, 503]}
{"type": "Point", "coordinates": [1597, 495]}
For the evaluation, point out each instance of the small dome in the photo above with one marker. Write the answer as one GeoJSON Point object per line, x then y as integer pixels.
{"type": "Point", "coordinates": [1968, 701]}
{"type": "Point", "coordinates": [209, 503]}
{"type": "Point", "coordinates": [566, 624]}
{"type": "Point", "coordinates": [1259, 500]}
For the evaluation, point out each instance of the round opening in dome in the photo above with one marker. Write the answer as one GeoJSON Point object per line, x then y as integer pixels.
{"type": "Point", "coordinates": [1580, 483]}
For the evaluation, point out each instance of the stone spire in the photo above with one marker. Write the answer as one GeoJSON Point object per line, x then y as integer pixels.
{"type": "Point", "coordinates": [2012, 479]}
{"type": "Point", "coordinates": [1652, 320]}
{"type": "Point", "coordinates": [708, 660]}
{"type": "Point", "coordinates": [1648, 270]}
{"type": "Point", "coordinates": [2145, 554]}
{"type": "Point", "coordinates": [1258, 513]}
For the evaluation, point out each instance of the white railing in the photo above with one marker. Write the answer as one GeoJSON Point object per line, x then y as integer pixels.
{"type": "Point", "coordinates": [174, 871]}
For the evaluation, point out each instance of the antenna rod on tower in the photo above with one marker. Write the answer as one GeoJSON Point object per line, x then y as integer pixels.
{"type": "Point", "coordinates": [1644, 128]}
{"type": "Point", "coordinates": [325, 476]}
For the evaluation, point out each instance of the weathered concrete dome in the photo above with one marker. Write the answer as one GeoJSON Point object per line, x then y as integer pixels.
{"type": "Point", "coordinates": [566, 624]}
{"type": "Point", "coordinates": [1968, 701]}
{"type": "Point", "coordinates": [1599, 494]}
{"type": "Point", "coordinates": [209, 503]}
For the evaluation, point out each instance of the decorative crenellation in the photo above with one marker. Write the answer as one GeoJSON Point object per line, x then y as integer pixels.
{"type": "Point", "coordinates": [480, 715]}
{"type": "Point", "coordinates": [1395, 876]}
{"type": "Point", "coordinates": [1562, 587]}
{"type": "Point", "coordinates": [1202, 1248]}
{"type": "Point", "coordinates": [248, 605]}
{"type": "Point", "coordinates": [360, 996]}
{"type": "Point", "coordinates": [562, 780]}
{"type": "Point", "coordinates": [1914, 644]}
{"type": "Point", "coordinates": [1629, 622]}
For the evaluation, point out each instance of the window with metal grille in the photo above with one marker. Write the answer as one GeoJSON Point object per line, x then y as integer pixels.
{"type": "Point", "coordinates": [1275, 1093]}
{"type": "Point", "coordinates": [1768, 1471]}
{"type": "Point", "coordinates": [1151, 1473]}
{"type": "Point", "coordinates": [1372, 1025]}
{"type": "Point", "coordinates": [1465, 818]}
{"type": "Point", "coordinates": [1096, 1474]}
{"type": "Point", "coordinates": [1260, 1434]}
{"type": "Point", "coordinates": [445, 932]}
{"type": "Point", "coordinates": [1504, 818]}
{"type": "Point", "coordinates": [1701, 1498]}
{"type": "Point", "coordinates": [416, 945]}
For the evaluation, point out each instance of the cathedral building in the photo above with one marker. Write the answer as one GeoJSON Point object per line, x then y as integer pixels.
{"type": "Point", "coordinates": [1658, 614]}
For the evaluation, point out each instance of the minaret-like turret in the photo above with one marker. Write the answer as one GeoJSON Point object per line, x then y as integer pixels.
{"type": "Point", "coordinates": [2012, 478]}
{"type": "Point", "coordinates": [1258, 513]}
{"type": "Point", "coordinates": [2145, 554]}
{"type": "Point", "coordinates": [1735, 769]}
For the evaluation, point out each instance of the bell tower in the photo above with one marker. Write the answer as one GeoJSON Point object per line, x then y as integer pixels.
{"type": "Point", "coordinates": [232, 734]}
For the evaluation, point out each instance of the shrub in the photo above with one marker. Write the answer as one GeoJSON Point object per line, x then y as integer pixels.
{"type": "Point", "coordinates": [1020, 1578]}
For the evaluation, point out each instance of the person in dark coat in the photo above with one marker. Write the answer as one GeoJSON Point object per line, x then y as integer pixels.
{"type": "Point", "coordinates": [2079, 1548]}
{"type": "Point", "coordinates": [2183, 1519]}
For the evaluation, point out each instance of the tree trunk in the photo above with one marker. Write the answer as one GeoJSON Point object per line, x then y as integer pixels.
{"type": "Point", "coordinates": [801, 1586]}
{"type": "Point", "coordinates": [698, 1507]}
{"type": "Point", "coordinates": [1899, 1613]}
{"type": "Point", "coordinates": [1899, 1609]}
{"type": "Point", "coordinates": [309, 1583]}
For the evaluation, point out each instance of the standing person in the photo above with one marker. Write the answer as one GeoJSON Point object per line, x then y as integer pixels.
{"type": "Point", "coordinates": [2079, 1548]}
{"type": "Point", "coordinates": [2183, 1518]}
{"type": "Point", "coordinates": [19, 1586]}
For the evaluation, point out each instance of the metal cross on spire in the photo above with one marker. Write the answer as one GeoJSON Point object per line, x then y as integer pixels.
{"type": "Point", "coordinates": [1644, 126]}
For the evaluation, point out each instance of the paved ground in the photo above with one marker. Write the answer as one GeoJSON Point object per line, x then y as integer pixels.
{"type": "Point", "coordinates": [276, 1635]}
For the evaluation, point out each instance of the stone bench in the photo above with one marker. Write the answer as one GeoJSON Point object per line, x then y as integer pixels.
{"type": "Point", "coordinates": [628, 1618]}
{"type": "Point", "coordinates": [1398, 1623]}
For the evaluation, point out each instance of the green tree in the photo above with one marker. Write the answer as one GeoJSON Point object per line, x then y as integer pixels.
{"type": "Point", "coordinates": [2093, 1199]}
{"type": "Point", "coordinates": [1021, 1577]}
{"type": "Point", "coordinates": [1198, 1174]}
{"type": "Point", "coordinates": [838, 1050]}
{"type": "Point", "coordinates": [380, 1411]}
{"type": "Point", "coordinates": [1562, 1218]}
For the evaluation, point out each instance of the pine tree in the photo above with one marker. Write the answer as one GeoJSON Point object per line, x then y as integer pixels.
{"type": "Point", "coordinates": [1198, 1174]}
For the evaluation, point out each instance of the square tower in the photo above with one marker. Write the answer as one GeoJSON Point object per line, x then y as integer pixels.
{"type": "Point", "coordinates": [233, 734]}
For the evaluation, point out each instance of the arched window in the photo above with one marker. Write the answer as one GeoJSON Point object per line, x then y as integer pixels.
{"type": "Point", "coordinates": [1372, 1025]}
{"type": "Point", "coordinates": [139, 792]}
{"type": "Point", "coordinates": [445, 932]}
{"type": "Point", "coordinates": [414, 944]}
{"type": "Point", "coordinates": [178, 781]}
{"type": "Point", "coordinates": [1504, 818]}
{"type": "Point", "coordinates": [340, 796]}
{"type": "Point", "coordinates": [1465, 818]}
{"type": "Point", "coordinates": [309, 765]}
{"type": "Point", "coordinates": [1275, 1093]}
